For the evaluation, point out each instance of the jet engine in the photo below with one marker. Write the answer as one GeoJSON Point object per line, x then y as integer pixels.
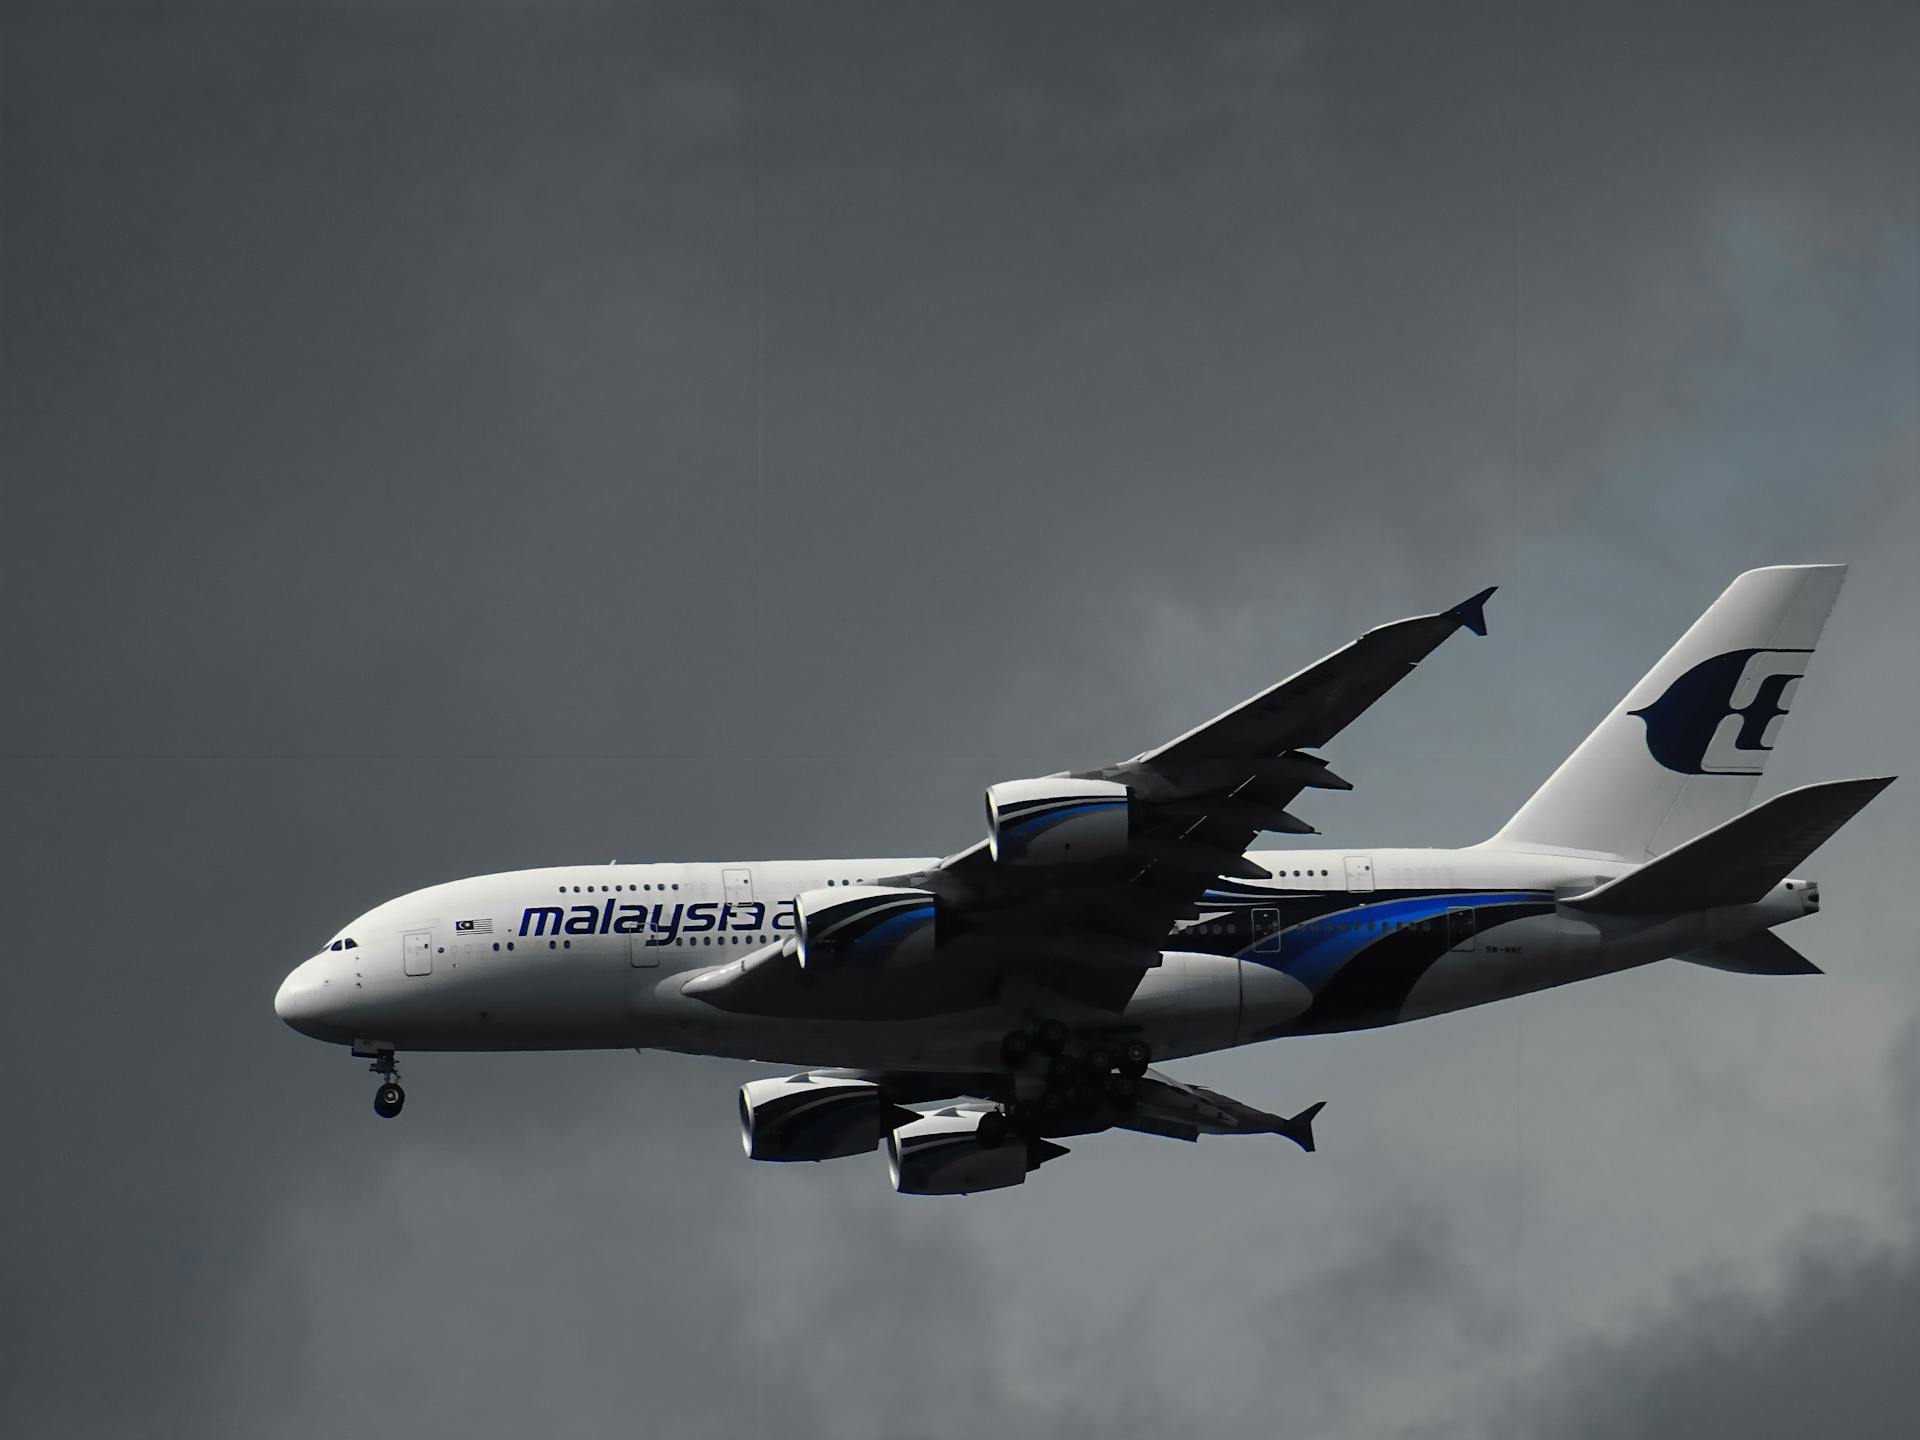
{"type": "Point", "coordinates": [1056, 821]}
{"type": "Point", "coordinates": [813, 1117]}
{"type": "Point", "coordinates": [871, 925]}
{"type": "Point", "coordinates": [957, 1151]}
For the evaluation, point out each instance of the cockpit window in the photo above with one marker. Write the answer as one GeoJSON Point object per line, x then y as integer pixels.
{"type": "Point", "coordinates": [334, 946]}
{"type": "Point", "coordinates": [348, 943]}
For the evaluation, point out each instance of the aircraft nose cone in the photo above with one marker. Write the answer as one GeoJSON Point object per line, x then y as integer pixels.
{"type": "Point", "coordinates": [305, 999]}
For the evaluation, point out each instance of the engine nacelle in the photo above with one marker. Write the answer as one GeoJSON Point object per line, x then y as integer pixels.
{"type": "Point", "coordinates": [1055, 821]}
{"type": "Point", "coordinates": [945, 1153]}
{"type": "Point", "coordinates": [812, 1117]}
{"type": "Point", "coordinates": [872, 925]}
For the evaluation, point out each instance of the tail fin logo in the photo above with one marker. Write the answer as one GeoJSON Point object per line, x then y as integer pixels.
{"type": "Point", "coordinates": [1719, 718]}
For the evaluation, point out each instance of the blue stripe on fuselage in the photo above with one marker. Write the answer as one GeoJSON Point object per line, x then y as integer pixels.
{"type": "Point", "coordinates": [1313, 951]}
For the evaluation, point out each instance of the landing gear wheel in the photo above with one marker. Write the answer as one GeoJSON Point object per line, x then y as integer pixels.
{"type": "Point", "coordinates": [388, 1099]}
{"type": "Point", "coordinates": [1134, 1057]}
{"type": "Point", "coordinates": [992, 1133]}
{"type": "Point", "coordinates": [1062, 1071]}
{"type": "Point", "coordinates": [1052, 1038]}
{"type": "Point", "coordinates": [1123, 1091]}
{"type": "Point", "coordinates": [1016, 1049]}
{"type": "Point", "coordinates": [1099, 1059]}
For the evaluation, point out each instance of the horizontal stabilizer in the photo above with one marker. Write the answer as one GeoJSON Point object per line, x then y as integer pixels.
{"type": "Point", "coordinates": [1762, 954]}
{"type": "Point", "coordinates": [1739, 862]}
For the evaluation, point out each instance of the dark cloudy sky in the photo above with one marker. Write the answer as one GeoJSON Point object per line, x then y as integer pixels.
{"type": "Point", "coordinates": [441, 439]}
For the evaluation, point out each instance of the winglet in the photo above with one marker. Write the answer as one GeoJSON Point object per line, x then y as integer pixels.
{"type": "Point", "coordinates": [1472, 612]}
{"type": "Point", "coordinates": [1299, 1128]}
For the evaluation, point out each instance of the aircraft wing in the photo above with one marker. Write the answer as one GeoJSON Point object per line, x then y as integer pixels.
{"type": "Point", "coordinates": [1161, 1105]}
{"type": "Point", "coordinates": [1311, 707]}
{"type": "Point", "coordinates": [1186, 1112]}
{"type": "Point", "coordinates": [1086, 873]}
{"type": "Point", "coordinates": [1192, 807]}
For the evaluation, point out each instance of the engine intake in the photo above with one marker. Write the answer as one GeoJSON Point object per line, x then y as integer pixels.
{"type": "Point", "coordinates": [872, 925]}
{"type": "Point", "coordinates": [1057, 821]}
{"type": "Point", "coordinates": [812, 1117]}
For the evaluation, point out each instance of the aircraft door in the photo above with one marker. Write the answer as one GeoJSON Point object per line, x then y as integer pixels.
{"type": "Point", "coordinates": [736, 883]}
{"type": "Point", "coordinates": [1266, 932]}
{"type": "Point", "coordinates": [641, 955]}
{"type": "Point", "coordinates": [1359, 873]}
{"type": "Point", "coordinates": [1460, 929]}
{"type": "Point", "coordinates": [416, 949]}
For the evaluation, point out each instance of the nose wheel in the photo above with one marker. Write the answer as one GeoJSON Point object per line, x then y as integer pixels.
{"type": "Point", "coordinates": [388, 1099]}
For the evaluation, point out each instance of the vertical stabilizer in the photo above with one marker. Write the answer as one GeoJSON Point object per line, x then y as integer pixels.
{"type": "Point", "coordinates": [1683, 752]}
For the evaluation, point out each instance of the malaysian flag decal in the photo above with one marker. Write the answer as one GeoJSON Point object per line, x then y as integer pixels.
{"type": "Point", "coordinates": [473, 927]}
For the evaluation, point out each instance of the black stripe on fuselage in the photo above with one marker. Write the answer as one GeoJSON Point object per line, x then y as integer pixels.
{"type": "Point", "coordinates": [1371, 989]}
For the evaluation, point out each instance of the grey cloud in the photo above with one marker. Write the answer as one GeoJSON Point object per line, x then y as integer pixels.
{"type": "Point", "coordinates": [1823, 1345]}
{"type": "Point", "coordinates": [441, 441]}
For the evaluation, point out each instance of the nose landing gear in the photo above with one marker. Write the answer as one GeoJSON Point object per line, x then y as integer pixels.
{"type": "Point", "coordinates": [388, 1099]}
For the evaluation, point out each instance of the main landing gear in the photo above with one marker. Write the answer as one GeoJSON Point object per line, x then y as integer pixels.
{"type": "Point", "coordinates": [388, 1099]}
{"type": "Point", "coordinates": [1078, 1082]}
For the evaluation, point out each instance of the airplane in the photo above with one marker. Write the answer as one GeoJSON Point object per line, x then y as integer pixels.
{"type": "Point", "coordinates": [971, 1012]}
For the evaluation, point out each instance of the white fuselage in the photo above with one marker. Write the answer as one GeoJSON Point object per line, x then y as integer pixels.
{"type": "Point", "coordinates": [600, 956]}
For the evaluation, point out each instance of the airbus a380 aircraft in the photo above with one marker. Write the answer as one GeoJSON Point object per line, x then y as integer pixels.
{"type": "Point", "coordinates": [1019, 991]}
